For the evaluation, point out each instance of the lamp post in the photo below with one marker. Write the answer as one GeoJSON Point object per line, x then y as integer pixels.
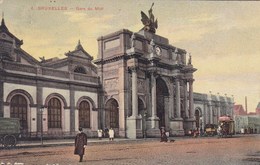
{"type": "Point", "coordinates": [41, 113]}
{"type": "Point", "coordinates": [201, 121]}
{"type": "Point", "coordinates": [144, 123]}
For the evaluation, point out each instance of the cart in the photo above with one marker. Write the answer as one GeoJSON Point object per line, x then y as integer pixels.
{"type": "Point", "coordinates": [210, 130]}
{"type": "Point", "coordinates": [9, 131]}
{"type": "Point", "coordinates": [227, 126]}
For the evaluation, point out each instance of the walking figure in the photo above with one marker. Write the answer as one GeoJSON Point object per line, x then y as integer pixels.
{"type": "Point", "coordinates": [80, 144]}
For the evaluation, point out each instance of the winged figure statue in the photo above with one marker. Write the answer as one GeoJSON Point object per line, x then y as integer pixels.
{"type": "Point", "coordinates": [149, 23]}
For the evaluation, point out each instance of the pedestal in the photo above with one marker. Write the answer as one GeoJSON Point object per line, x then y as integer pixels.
{"type": "Point", "coordinates": [134, 127]}
{"type": "Point", "coordinates": [189, 124]}
{"type": "Point", "coordinates": [153, 127]}
{"type": "Point", "coordinates": [176, 127]}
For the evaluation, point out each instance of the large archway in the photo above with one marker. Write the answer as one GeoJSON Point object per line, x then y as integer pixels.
{"type": "Point", "coordinates": [111, 114]}
{"type": "Point", "coordinates": [142, 112]}
{"type": "Point", "coordinates": [161, 93]}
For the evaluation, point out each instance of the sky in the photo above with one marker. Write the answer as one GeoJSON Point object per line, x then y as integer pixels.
{"type": "Point", "coordinates": [223, 37]}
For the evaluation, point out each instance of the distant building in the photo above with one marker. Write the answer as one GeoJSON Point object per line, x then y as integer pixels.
{"type": "Point", "coordinates": [209, 107]}
{"type": "Point", "coordinates": [246, 122]}
{"type": "Point", "coordinates": [249, 124]}
{"type": "Point", "coordinates": [257, 110]}
{"type": "Point", "coordinates": [239, 110]}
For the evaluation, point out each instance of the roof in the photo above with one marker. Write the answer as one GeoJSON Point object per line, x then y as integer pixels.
{"type": "Point", "coordinates": [239, 110]}
{"type": "Point", "coordinates": [3, 28]}
{"type": "Point", "coordinates": [79, 52]}
{"type": "Point", "coordinates": [258, 106]}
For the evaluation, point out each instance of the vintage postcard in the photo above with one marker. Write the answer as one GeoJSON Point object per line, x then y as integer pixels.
{"type": "Point", "coordinates": [129, 82]}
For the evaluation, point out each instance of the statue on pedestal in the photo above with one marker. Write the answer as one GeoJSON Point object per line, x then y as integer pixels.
{"type": "Point", "coordinates": [149, 23]}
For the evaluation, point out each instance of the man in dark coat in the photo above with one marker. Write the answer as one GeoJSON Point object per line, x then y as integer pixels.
{"type": "Point", "coordinates": [164, 137]}
{"type": "Point", "coordinates": [80, 144]}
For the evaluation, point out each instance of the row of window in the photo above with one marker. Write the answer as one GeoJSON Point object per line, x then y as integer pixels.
{"type": "Point", "coordinates": [18, 109]}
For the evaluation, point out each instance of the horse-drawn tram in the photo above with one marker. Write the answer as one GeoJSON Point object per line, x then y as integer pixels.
{"type": "Point", "coordinates": [226, 126]}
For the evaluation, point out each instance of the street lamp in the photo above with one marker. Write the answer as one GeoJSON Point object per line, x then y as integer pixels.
{"type": "Point", "coordinates": [201, 121]}
{"type": "Point", "coordinates": [144, 123]}
{"type": "Point", "coordinates": [41, 113]}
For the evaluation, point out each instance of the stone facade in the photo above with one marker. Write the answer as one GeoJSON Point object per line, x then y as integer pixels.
{"type": "Point", "coordinates": [47, 95]}
{"type": "Point", "coordinates": [139, 84]}
{"type": "Point", "coordinates": [149, 79]}
{"type": "Point", "coordinates": [208, 108]}
{"type": "Point", "coordinates": [249, 123]}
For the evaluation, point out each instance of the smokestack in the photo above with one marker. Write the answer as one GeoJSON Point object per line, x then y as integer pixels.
{"type": "Point", "coordinates": [246, 104]}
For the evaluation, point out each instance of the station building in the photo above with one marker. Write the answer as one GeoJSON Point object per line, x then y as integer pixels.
{"type": "Point", "coordinates": [138, 83]}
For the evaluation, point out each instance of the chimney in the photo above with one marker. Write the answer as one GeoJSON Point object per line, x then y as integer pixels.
{"type": "Point", "coordinates": [246, 104]}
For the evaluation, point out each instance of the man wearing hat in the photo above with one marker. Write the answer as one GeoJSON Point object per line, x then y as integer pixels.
{"type": "Point", "coordinates": [80, 144]}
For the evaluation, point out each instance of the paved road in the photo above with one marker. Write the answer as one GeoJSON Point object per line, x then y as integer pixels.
{"type": "Point", "coordinates": [240, 150]}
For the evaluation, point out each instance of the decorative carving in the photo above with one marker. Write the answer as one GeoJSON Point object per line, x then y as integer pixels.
{"type": "Point", "coordinates": [151, 46]}
{"type": "Point", "coordinates": [189, 62]}
{"type": "Point", "coordinates": [141, 86]}
{"type": "Point", "coordinates": [111, 84]}
{"type": "Point", "coordinates": [133, 40]}
{"type": "Point", "coordinates": [111, 73]}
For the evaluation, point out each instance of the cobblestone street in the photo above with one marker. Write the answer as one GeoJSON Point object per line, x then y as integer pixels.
{"type": "Point", "coordinates": [239, 150]}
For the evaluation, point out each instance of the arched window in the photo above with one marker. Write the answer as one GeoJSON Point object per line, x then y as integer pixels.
{"type": "Point", "coordinates": [80, 69]}
{"type": "Point", "coordinates": [84, 114]}
{"type": "Point", "coordinates": [54, 113]}
{"type": "Point", "coordinates": [112, 114]}
{"type": "Point", "coordinates": [197, 118]}
{"type": "Point", "coordinates": [18, 109]}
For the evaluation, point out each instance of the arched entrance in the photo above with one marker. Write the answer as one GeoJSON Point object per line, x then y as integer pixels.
{"type": "Point", "coordinates": [161, 93]}
{"type": "Point", "coordinates": [18, 109]}
{"type": "Point", "coordinates": [111, 114]}
{"type": "Point", "coordinates": [197, 118]}
{"type": "Point", "coordinates": [142, 112]}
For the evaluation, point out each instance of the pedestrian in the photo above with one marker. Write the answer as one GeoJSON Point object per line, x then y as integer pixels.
{"type": "Point", "coordinates": [100, 133]}
{"type": "Point", "coordinates": [111, 134]}
{"type": "Point", "coordinates": [106, 133]}
{"type": "Point", "coordinates": [219, 131]}
{"type": "Point", "coordinates": [164, 137]}
{"type": "Point", "coordinates": [80, 144]}
{"type": "Point", "coordinates": [190, 132]}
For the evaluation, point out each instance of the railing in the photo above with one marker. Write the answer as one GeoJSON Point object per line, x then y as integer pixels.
{"type": "Point", "coordinates": [55, 73]}
{"type": "Point", "coordinates": [40, 71]}
{"type": "Point", "coordinates": [82, 77]}
{"type": "Point", "coordinates": [19, 67]}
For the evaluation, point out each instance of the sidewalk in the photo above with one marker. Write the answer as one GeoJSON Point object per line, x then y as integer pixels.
{"type": "Point", "coordinates": [91, 141]}
{"type": "Point", "coordinates": [70, 142]}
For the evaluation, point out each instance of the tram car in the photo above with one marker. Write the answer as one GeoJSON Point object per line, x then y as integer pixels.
{"type": "Point", "coordinates": [226, 126]}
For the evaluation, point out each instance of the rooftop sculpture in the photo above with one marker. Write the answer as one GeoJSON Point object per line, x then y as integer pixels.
{"type": "Point", "coordinates": [150, 24]}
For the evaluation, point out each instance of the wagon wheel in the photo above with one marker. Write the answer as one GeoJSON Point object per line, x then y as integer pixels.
{"type": "Point", "coordinates": [9, 141]}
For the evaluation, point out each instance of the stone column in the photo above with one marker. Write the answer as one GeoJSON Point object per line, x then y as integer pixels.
{"type": "Point", "coordinates": [171, 105]}
{"type": "Point", "coordinates": [40, 104]}
{"type": "Point", "coordinates": [185, 100]}
{"type": "Point", "coordinates": [178, 99]}
{"type": "Point", "coordinates": [1, 97]}
{"type": "Point", "coordinates": [153, 121]}
{"type": "Point", "coordinates": [72, 109]}
{"type": "Point", "coordinates": [154, 106]}
{"type": "Point", "coordinates": [191, 101]}
{"type": "Point", "coordinates": [134, 93]}
{"type": "Point", "coordinates": [210, 113]}
{"type": "Point", "coordinates": [132, 130]}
